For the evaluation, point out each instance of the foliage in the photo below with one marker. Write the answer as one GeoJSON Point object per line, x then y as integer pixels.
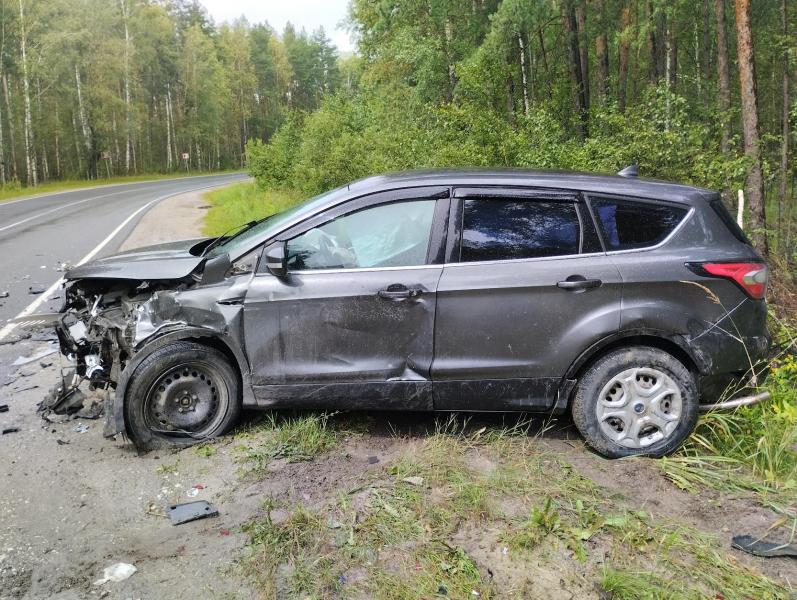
{"type": "Point", "coordinates": [353, 136]}
{"type": "Point", "coordinates": [234, 205]}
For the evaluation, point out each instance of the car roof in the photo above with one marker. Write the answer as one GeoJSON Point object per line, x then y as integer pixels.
{"type": "Point", "coordinates": [567, 180]}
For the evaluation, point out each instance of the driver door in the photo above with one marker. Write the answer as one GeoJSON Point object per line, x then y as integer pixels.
{"type": "Point", "coordinates": [352, 323]}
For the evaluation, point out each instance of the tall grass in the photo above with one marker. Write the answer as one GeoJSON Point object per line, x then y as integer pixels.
{"type": "Point", "coordinates": [237, 204]}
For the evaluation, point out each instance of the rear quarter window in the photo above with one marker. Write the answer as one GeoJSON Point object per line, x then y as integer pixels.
{"type": "Point", "coordinates": [628, 224]}
{"type": "Point", "coordinates": [727, 219]}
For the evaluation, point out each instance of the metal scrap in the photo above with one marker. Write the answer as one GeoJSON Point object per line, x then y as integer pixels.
{"type": "Point", "coordinates": [191, 511]}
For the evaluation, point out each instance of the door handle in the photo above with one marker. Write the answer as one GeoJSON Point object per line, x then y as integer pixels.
{"type": "Point", "coordinates": [398, 292]}
{"type": "Point", "coordinates": [577, 282]}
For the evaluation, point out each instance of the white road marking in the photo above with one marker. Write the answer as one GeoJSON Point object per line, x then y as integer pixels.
{"type": "Point", "coordinates": [5, 331]}
{"type": "Point", "coordinates": [62, 207]}
{"type": "Point", "coordinates": [109, 185]}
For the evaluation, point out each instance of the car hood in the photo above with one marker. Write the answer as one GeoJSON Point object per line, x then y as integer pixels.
{"type": "Point", "coordinates": [172, 260]}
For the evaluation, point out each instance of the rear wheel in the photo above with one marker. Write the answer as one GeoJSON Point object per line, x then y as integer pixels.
{"type": "Point", "coordinates": [180, 395]}
{"type": "Point", "coordinates": [636, 401]}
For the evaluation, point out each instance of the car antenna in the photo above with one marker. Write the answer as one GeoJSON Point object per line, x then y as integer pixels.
{"type": "Point", "coordinates": [629, 171]}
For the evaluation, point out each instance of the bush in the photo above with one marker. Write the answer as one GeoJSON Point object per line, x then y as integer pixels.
{"type": "Point", "coordinates": [353, 136]}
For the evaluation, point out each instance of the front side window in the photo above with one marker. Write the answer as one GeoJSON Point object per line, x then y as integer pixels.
{"type": "Point", "coordinates": [627, 225]}
{"type": "Point", "coordinates": [388, 235]}
{"type": "Point", "coordinates": [500, 229]}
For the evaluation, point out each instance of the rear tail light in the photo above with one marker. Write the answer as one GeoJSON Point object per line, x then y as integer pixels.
{"type": "Point", "coordinates": [750, 276]}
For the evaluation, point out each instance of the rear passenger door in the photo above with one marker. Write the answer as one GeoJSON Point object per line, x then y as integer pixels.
{"type": "Point", "coordinates": [526, 288]}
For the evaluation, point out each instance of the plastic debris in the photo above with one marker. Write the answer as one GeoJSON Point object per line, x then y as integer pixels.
{"type": "Point", "coordinates": [24, 360]}
{"type": "Point", "coordinates": [10, 430]}
{"type": "Point", "coordinates": [3, 408]}
{"type": "Point", "coordinates": [35, 289]}
{"type": "Point", "coordinates": [116, 573]}
{"type": "Point", "coordinates": [191, 511]}
{"type": "Point", "coordinates": [4, 294]}
{"type": "Point", "coordinates": [80, 428]}
{"type": "Point", "coordinates": [413, 480]}
{"type": "Point", "coordinates": [372, 460]}
{"type": "Point", "coordinates": [759, 547]}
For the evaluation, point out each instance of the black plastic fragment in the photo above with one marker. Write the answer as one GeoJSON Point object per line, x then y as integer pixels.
{"type": "Point", "coordinates": [10, 430]}
{"type": "Point", "coordinates": [3, 408]}
{"type": "Point", "coordinates": [191, 511]}
{"type": "Point", "coordinates": [751, 545]}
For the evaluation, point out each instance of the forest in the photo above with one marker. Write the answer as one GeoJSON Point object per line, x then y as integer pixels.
{"type": "Point", "coordinates": [700, 91]}
{"type": "Point", "coordinates": [96, 88]}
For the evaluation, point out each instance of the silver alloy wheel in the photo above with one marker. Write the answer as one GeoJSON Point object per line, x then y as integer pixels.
{"type": "Point", "coordinates": [639, 407]}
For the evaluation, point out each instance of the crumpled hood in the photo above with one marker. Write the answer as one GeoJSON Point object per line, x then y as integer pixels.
{"type": "Point", "coordinates": [172, 260]}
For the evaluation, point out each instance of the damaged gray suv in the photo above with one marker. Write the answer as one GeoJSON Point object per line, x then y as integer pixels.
{"type": "Point", "coordinates": [627, 302]}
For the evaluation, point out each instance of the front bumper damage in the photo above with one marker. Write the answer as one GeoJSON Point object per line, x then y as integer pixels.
{"type": "Point", "coordinates": [105, 331]}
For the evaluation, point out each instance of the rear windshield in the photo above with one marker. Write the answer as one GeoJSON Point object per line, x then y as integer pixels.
{"type": "Point", "coordinates": [627, 224]}
{"type": "Point", "coordinates": [726, 218]}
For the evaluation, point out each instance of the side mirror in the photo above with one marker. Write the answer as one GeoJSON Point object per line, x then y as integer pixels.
{"type": "Point", "coordinates": [276, 259]}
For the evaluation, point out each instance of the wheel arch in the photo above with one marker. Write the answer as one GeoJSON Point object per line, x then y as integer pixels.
{"type": "Point", "coordinates": [115, 420]}
{"type": "Point", "coordinates": [675, 345]}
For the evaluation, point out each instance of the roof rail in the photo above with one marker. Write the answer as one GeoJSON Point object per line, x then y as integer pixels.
{"type": "Point", "coordinates": [629, 171]}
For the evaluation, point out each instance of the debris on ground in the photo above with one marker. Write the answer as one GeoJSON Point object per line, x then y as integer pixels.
{"type": "Point", "coordinates": [35, 289]}
{"type": "Point", "coordinates": [116, 573]}
{"type": "Point", "coordinates": [10, 430]}
{"type": "Point", "coordinates": [413, 480]}
{"type": "Point", "coordinates": [372, 460]}
{"type": "Point", "coordinates": [24, 360]}
{"type": "Point", "coordinates": [4, 294]}
{"type": "Point", "coordinates": [191, 511]}
{"type": "Point", "coordinates": [3, 408]}
{"type": "Point", "coordinates": [759, 547]}
{"type": "Point", "coordinates": [80, 428]}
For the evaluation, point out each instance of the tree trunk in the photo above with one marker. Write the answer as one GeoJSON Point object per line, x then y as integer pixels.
{"type": "Point", "coordinates": [583, 52]}
{"type": "Point", "coordinates": [522, 48]}
{"type": "Point", "coordinates": [168, 138]}
{"type": "Point", "coordinates": [576, 75]}
{"type": "Point", "coordinates": [30, 160]}
{"type": "Point", "coordinates": [652, 43]}
{"type": "Point", "coordinates": [12, 138]}
{"type": "Point", "coordinates": [784, 144]}
{"type": "Point", "coordinates": [723, 74]}
{"type": "Point", "coordinates": [125, 16]}
{"type": "Point", "coordinates": [84, 126]}
{"type": "Point", "coordinates": [602, 52]}
{"type": "Point", "coordinates": [622, 61]}
{"type": "Point", "coordinates": [747, 87]}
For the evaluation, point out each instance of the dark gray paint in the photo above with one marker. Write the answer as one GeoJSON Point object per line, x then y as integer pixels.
{"type": "Point", "coordinates": [498, 335]}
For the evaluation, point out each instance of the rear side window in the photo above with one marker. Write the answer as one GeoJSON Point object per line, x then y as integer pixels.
{"type": "Point", "coordinates": [726, 218]}
{"type": "Point", "coordinates": [501, 229]}
{"type": "Point", "coordinates": [626, 224]}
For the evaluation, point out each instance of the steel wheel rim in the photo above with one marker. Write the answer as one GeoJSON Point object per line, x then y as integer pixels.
{"type": "Point", "coordinates": [639, 407]}
{"type": "Point", "coordinates": [189, 399]}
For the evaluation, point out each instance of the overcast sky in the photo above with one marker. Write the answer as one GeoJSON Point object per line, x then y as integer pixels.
{"type": "Point", "coordinates": [309, 14]}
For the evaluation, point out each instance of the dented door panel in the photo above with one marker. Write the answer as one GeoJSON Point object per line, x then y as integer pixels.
{"type": "Point", "coordinates": [334, 327]}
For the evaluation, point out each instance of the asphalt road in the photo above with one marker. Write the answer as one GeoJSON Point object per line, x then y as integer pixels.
{"type": "Point", "coordinates": [38, 235]}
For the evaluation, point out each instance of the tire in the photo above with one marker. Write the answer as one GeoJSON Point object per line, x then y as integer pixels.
{"type": "Point", "coordinates": [637, 401]}
{"type": "Point", "coordinates": [180, 395]}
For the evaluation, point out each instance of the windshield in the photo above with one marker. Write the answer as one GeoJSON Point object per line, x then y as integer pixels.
{"type": "Point", "coordinates": [264, 228]}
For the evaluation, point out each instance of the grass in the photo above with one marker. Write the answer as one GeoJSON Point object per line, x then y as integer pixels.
{"type": "Point", "coordinates": [294, 438]}
{"type": "Point", "coordinates": [13, 191]}
{"type": "Point", "coordinates": [401, 532]}
{"type": "Point", "coordinates": [240, 203]}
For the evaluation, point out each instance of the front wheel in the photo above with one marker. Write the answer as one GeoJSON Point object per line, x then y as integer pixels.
{"type": "Point", "coordinates": [180, 395]}
{"type": "Point", "coordinates": [636, 401]}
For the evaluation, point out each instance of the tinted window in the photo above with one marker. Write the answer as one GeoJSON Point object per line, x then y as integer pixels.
{"type": "Point", "coordinates": [496, 229]}
{"type": "Point", "coordinates": [389, 235]}
{"type": "Point", "coordinates": [627, 224]}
